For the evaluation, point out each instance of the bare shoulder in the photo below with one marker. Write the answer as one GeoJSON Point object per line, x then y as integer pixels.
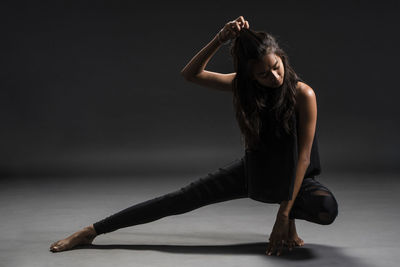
{"type": "Point", "coordinates": [305, 95]}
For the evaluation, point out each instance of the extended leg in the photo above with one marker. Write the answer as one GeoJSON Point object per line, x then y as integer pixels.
{"type": "Point", "coordinates": [224, 184]}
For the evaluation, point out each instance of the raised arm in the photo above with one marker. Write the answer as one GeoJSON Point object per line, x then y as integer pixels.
{"type": "Point", "coordinates": [195, 71]}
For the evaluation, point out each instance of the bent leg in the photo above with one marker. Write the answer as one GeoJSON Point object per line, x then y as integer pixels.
{"type": "Point", "coordinates": [226, 183]}
{"type": "Point", "coordinates": [315, 203]}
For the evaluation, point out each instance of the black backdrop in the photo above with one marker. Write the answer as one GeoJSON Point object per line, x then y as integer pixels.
{"type": "Point", "coordinates": [95, 88]}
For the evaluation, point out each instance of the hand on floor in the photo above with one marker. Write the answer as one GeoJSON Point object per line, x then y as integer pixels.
{"type": "Point", "coordinates": [283, 236]}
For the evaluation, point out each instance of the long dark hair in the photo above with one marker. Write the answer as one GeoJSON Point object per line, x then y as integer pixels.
{"type": "Point", "coordinates": [251, 99]}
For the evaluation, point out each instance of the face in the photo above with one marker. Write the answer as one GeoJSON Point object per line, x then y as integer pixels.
{"type": "Point", "coordinates": [269, 71]}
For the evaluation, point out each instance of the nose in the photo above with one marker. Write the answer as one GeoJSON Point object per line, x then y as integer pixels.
{"type": "Point", "coordinates": [276, 76]}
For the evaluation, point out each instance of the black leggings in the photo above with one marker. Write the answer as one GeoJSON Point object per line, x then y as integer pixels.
{"type": "Point", "coordinates": [314, 202]}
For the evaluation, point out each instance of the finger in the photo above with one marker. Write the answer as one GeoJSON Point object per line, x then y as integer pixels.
{"type": "Point", "coordinates": [276, 248]}
{"type": "Point", "coordinates": [241, 22]}
{"type": "Point", "coordinates": [273, 248]}
{"type": "Point", "coordinates": [290, 245]}
{"type": "Point", "coordinates": [240, 19]}
{"type": "Point", "coordinates": [232, 28]}
{"type": "Point", "coordinates": [280, 248]}
{"type": "Point", "coordinates": [241, 25]}
{"type": "Point", "coordinates": [237, 26]}
{"type": "Point", "coordinates": [246, 24]}
{"type": "Point", "coordinates": [270, 248]}
{"type": "Point", "coordinates": [232, 24]}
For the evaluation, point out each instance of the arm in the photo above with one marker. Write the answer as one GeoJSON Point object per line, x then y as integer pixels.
{"type": "Point", "coordinates": [307, 106]}
{"type": "Point", "coordinates": [307, 109]}
{"type": "Point", "coordinates": [197, 64]}
{"type": "Point", "coordinates": [195, 71]}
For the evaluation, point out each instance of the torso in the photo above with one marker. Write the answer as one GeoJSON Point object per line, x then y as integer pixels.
{"type": "Point", "coordinates": [300, 87]}
{"type": "Point", "coordinates": [271, 170]}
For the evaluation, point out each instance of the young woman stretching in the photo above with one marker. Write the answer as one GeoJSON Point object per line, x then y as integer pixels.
{"type": "Point", "coordinates": [277, 116]}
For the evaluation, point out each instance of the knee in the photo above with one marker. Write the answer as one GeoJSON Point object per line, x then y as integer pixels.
{"type": "Point", "coordinates": [329, 212]}
{"type": "Point", "coordinates": [326, 218]}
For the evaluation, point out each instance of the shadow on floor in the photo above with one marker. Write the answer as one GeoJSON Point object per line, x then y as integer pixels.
{"type": "Point", "coordinates": [310, 253]}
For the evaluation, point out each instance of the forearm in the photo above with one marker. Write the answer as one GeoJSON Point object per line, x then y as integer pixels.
{"type": "Point", "coordinates": [198, 63]}
{"type": "Point", "coordinates": [286, 206]}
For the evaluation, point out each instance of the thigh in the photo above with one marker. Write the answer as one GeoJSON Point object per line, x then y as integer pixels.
{"type": "Point", "coordinates": [226, 183]}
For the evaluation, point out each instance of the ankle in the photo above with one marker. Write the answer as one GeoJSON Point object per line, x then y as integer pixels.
{"type": "Point", "coordinates": [90, 230]}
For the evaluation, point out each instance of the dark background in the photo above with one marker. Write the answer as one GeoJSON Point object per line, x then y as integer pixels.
{"type": "Point", "coordinates": [90, 88]}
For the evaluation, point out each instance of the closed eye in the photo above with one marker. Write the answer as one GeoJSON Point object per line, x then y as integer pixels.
{"type": "Point", "coordinates": [265, 74]}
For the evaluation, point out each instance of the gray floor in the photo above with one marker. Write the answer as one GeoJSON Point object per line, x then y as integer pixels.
{"type": "Point", "coordinates": [37, 212]}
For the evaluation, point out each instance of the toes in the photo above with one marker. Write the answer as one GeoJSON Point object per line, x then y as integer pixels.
{"type": "Point", "coordinates": [53, 245]}
{"type": "Point", "coordinates": [58, 246]}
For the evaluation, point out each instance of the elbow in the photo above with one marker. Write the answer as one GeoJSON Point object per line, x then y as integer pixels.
{"type": "Point", "coordinates": [304, 160]}
{"type": "Point", "coordinates": [186, 75]}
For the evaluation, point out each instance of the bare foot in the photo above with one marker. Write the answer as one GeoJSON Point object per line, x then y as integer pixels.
{"type": "Point", "coordinates": [297, 241]}
{"type": "Point", "coordinates": [82, 237]}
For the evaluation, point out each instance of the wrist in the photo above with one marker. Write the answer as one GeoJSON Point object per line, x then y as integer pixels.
{"type": "Point", "coordinates": [284, 208]}
{"type": "Point", "coordinates": [220, 40]}
{"type": "Point", "coordinates": [282, 216]}
{"type": "Point", "coordinates": [216, 40]}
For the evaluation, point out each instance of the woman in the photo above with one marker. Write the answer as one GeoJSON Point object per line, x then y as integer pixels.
{"type": "Point", "coordinates": [277, 115]}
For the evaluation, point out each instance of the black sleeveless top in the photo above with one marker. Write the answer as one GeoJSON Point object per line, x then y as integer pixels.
{"type": "Point", "coordinates": [271, 168]}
